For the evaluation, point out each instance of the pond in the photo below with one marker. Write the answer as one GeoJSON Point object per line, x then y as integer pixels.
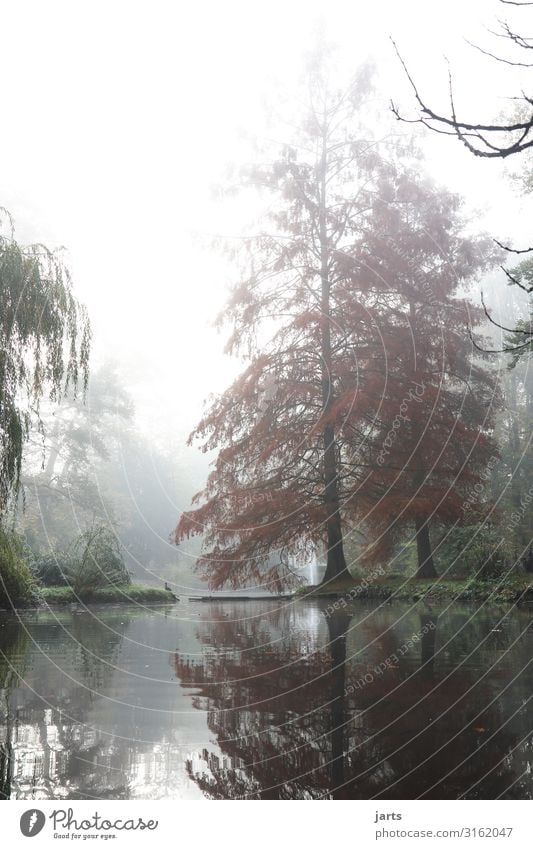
{"type": "Point", "coordinates": [266, 699]}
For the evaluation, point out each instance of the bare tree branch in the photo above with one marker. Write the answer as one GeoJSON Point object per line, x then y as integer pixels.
{"type": "Point", "coordinates": [500, 58]}
{"type": "Point", "coordinates": [512, 250]}
{"type": "Point", "coordinates": [494, 140]}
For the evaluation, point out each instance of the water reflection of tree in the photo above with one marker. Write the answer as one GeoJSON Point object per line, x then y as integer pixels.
{"type": "Point", "coordinates": [275, 697]}
{"type": "Point", "coordinates": [13, 647]}
{"type": "Point", "coordinates": [254, 679]}
{"type": "Point", "coordinates": [289, 725]}
{"type": "Point", "coordinates": [429, 727]}
{"type": "Point", "coordinates": [96, 650]}
{"type": "Point", "coordinates": [52, 748]}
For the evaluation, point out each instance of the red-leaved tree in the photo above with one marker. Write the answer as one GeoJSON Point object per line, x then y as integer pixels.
{"type": "Point", "coordinates": [277, 484]}
{"type": "Point", "coordinates": [294, 431]}
{"type": "Point", "coordinates": [431, 440]}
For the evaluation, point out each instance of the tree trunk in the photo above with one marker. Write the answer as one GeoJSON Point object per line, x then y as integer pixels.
{"type": "Point", "coordinates": [426, 567]}
{"type": "Point", "coordinates": [336, 563]}
{"type": "Point", "coordinates": [515, 490]}
{"type": "Point", "coordinates": [528, 450]}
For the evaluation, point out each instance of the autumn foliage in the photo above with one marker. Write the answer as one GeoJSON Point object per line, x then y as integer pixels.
{"type": "Point", "coordinates": [363, 402]}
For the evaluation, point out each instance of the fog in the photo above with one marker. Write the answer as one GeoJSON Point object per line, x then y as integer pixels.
{"type": "Point", "coordinates": [120, 118]}
{"type": "Point", "coordinates": [326, 593]}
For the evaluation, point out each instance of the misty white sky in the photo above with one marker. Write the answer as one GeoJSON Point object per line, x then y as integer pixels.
{"type": "Point", "coordinates": [118, 117]}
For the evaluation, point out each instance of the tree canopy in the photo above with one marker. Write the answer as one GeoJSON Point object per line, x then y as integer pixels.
{"type": "Point", "coordinates": [44, 344]}
{"type": "Point", "coordinates": [344, 275]}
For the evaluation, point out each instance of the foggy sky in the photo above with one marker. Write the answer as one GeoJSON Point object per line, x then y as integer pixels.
{"type": "Point", "coordinates": [117, 119]}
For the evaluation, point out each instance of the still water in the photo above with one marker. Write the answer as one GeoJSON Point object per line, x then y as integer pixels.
{"type": "Point", "coordinates": [266, 699]}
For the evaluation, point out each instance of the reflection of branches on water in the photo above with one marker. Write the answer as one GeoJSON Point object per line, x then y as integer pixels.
{"type": "Point", "coordinates": [13, 648]}
{"type": "Point", "coordinates": [273, 705]}
{"type": "Point", "coordinates": [97, 648]}
{"type": "Point", "coordinates": [218, 778]}
{"type": "Point", "coordinates": [54, 748]}
{"type": "Point", "coordinates": [223, 624]}
{"type": "Point", "coordinates": [430, 729]}
{"type": "Point", "coordinates": [289, 726]}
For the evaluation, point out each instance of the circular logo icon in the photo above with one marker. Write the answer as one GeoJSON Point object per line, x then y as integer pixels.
{"type": "Point", "coordinates": [32, 822]}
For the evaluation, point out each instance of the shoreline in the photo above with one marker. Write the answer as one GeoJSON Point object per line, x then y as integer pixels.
{"type": "Point", "coordinates": [107, 595]}
{"type": "Point", "coordinates": [515, 589]}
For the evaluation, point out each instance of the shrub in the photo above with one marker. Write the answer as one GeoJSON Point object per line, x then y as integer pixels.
{"type": "Point", "coordinates": [472, 550]}
{"type": "Point", "coordinates": [116, 595]}
{"type": "Point", "coordinates": [95, 561]}
{"type": "Point", "coordinates": [17, 584]}
{"type": "Point", "coordinates": [52, 570]}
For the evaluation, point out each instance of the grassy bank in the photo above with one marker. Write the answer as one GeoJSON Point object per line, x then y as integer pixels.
{"type": "Point", "coordinates": [508, 589]}
{"type": "Point", "coordinates": [132, 594]}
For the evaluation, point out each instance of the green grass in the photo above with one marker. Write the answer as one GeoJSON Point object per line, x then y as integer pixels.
{"type": "Point", "coordinates": [497, 590]}
{"type": "Point", "coordinates": [134, 593]}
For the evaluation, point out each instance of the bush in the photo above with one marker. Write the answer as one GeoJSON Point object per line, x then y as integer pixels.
{"type": "Point", "coordinates": [95, 561]}
{"type": "Point", "coordinates": [52, 570]}
{"type": "Point", "coordinates": [117, 595]}
{"type": "Point", "coordinates": [17, 584]}
{"type": "Point", "coordinates": [472, 550]}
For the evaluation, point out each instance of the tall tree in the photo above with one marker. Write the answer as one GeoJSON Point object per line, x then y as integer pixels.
{"type": "Point", "coordinates": [278, 483]}
{"type": "Point", "coordinates": [363, 258]}
{"type": "Point", "coordinates": [44, 344]}
{"type": "Point", "coordinates": [430, 440]}
{"type": "Point", "coordinates": [61, 473]}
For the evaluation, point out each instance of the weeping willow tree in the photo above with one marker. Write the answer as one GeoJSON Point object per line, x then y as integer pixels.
{"type": "Point", "coordinates": [44, 344]}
